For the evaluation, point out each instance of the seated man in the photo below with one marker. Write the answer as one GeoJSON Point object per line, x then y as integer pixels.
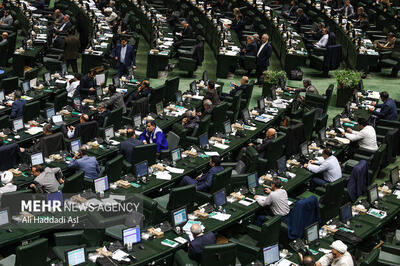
{"type": "Point", "coordinates": [103, 113]}
{"type": "Point", "coordinates": [190, 121]}
{"type": "Point", "coordinates": [323, 42]}
{"type": "Point", "coordinates": [127, 145]}
{"type": "Point", "coordinates": [57, 17]}
{"type": "Point", "coordinates": [7, 20]}
{"type": "Point", "coordinates": [87, 164]}
{"type": "Point", "coordinates": [72, 85]}
{"type": "Point", "coordinates": [7, 181]}
{"type": "Point", "coordinates": [366, 137]}
{"type": "Point", "coordinates": [347, 10]}
{"type": "Point", "coordinates": [203, 182]}
{"type": "Point", "coordinates": [46, 180]}
{"type": "Point", "coordinates": [212, 93]}
{"type": "Point", "coordinates": [47, 131]}
{"type": "Point", "coordinates": [18, 105]}
{"type": "Point", "coordinates": [301, 19]}
{"type": "Point", "coordinates": [73, 131]}
{"type": "Point", "coordinates": [329, 168]}
{"type": "Point", "coordinates": [277, 200]}
{"type": "Point", "coordinates": [338, 256]}
{"type": "Point", "coordinates": [116, 99]}
{"type": "Point", "coordinates": [244, 81]}
{"type": "Point", "coordinates": [261, 148]}
{"type": "Point", "coordinates": [111, 16]}
{"type": "Point", "coordinates": [291, 11]}
{"type": "Point", "coordinates": [388, 109]}
{"type": "Point", "coordinates": [308, 88]}
{"type": "Point", "coordinates": [154, 134]}
{"type": "Point", "coordinates": [143, 91]}
{"type": "Point", "coordinates": [362, 23]}
{"type": "Point", "coordinates": [65, 26]}
{"type": "Point", "coordinates": [207, 108]}
{"type": "Point", "coordinates": [195, 247]}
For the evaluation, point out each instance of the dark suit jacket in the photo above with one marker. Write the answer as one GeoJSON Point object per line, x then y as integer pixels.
{"type": "Point", "coordinates": [136, 95]}
{"type": "Point", "coordinates": [242, 88]}
{"type": "Point", "coordinates": [357, 184]}
{"type": "Point", "coordinates": [17, 107]}
{"type": "Point", "coordinates": [302, 20]}
{"type": "Point", "coordinates": [85, 84]}
{"type": "Point", "coordinates": [264, 55]}
{"type": "Point", "coordinates": [196, 246]}
{"type": "Point", "coordinates": [238, 27]}
{"type": "Point", "coordinates": [262, 148]}
{"type": "Point", "coordinates": [127, 146]}
{"type": "Point", "coordinates": [71, 47]}
{"type": "Point", "coordinates": [129, 55]}
{"type": "Point", "coordinates": [292, 10]}
{"type": "Point", "coordinates": [251, 49]}
{"type": "Point", "coordinates": [205, 181]}
{"type": "Point", "coordinates": [66, 27]}
{"type": "Point", "coordinates": [388, 110]}
{"type": "Point", "coordinates": [187, 33]}
{"type": "Point", "coordinates": [9, 156]}
{"type": "Point", "coordinates": [213, 96]}
{"type": "Point", "coordinates": [101, 117]}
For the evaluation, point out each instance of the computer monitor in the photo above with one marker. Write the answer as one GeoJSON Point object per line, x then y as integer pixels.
{"type": "Point", "coordinates": [1, 96]}
{"type": "Point", "coordinates": [75, 145]}
{"type": "Point", "coordinates": [347, 108]}
{"type": "Point", "coordinates": [322, 135]}
{"type": "Point", "coordinates": [373, 194]}
{"type": "Point", "coordinates": [179, 216]}
{"type": "Point", "coordinates": [101, 184]}
{"type": "Point", "coordinates": [116, 81]}
{"type": "Point", "coordinates": [205, 78]}
{"type": "Point", "coordinates": [50, 112]}
{"type": "Point", "coordinates": [281, 164]}
{"type": "Point", "coordinates": [227, 127]}
{"type": "Point", "coordinates": [76, 256]}
{"type": "Point", "coordinates": [246, 115]}
{"type": "Point", "coordinates": [141, 169]}
{"type": "Point", "coordinates": [99, 91]}
{"type": "Point", "coordinates": [159, 108]}
{"type": "Point", "coordinates": [336, 122]}
{"type": "Point", "coordinates": [394, 175]}
{"type": "Point", "coordinates": [304, 148]}
{"type": "Point", "coordinates": [252, 180]}
{"type": "Point", "coordinates": [345, 213]}
{"type": "Point", "coordinates": [57, 119]}
{"type": "Point", "coordinates": [193, 87]}
{"type": "Point", "coordinates": [63, 70]}
{"type": "Point", "coordinates": [37, 158]}
{"type": "Point", "coordinates": [203, 139]}
{"type": "Point", "coordinates": [271, 254]}
{"type": "Point", "coordinates": [178, 96]}
{"type": "Point", "coordinates": [176, 155]}
{"type": "Point", "coordinates": [26, 86]}
{"type": "Point", "coordinates": [18, 124]}
{"type": "Point", "coordinates": [261, 104]}
{"type": "Point", "coordinates": [100, 79]}
{"type": "Point", "coordinates": [47, 77]}
{"type": "Point", "coordinates": [137, 120]}
{"type": "Point", "coordinates": [109, 132]}
{"type": "Point", "coordinates": [220, 197]}
{"type": "Point", "coordinates": [131, 235]}
{"type": "Point", "coordinates": [4, 217]}
{"type": "Point", "coordinates": [311, 233]}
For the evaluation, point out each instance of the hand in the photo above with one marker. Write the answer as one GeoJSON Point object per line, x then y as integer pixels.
{"type": "Point", "coordinates": [251, 144]}
{"type": "Point", "coordinates": [267, 190]}
{"type": "Point", "coordinates": [124, 32]}
{"type": "Point", "coordinates": [116, 58]}
{"type": "Point", "coordinates": [145, 142]}
{"type": "Point", "coordinates": [71, 128]}
{"type": "Point", "coordinates": [373, 103]}
{"type": "Point", "coordinates": [61, 181]}
{"type": "Point", "coordinates": [371, 109]}
{"type": "Point", "coordinates": [199, 114]}
{"type": "Point", "coordinates": [311, 161]}
{"type": "Point", "coordinates": [349, 130]}
{"type": "Point", "coordinates": [255, 197]}
{"type": "Point", "coordinates": [8, 104]}
{"type": "Point", "coordinates": [22, 149]}
{"type": "Point", "coordinates": [318, 263]}
{"type": "Point", "coordinates": [32, 185]}
{"type": "Point", "coordinates": [92, 89]}
{"type": "Point", "coordinates": [133, 67]}
{"type": "Point", "coordinates": [198, 177]}
{"type": "Point", "coordinates": [305, 165]}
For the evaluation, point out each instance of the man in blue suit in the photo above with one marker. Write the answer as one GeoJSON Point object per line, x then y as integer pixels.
{"type": "Point", "coordinates": [154, 134]}
{"type": "Point", "coordinates": [126, 148]}
{"type": "Point", "coordinates": [203, 182]}
{"type": "Point", "coordinates": [388, 108]}
{"type": "Point", "coordinates": [125, 56]}
{"type": "Point", "coordinates": [195, 247]}
{"type": "Point", "coordinates": [263, 55]}
{"type": "Point", "coordinates": [18, 105]}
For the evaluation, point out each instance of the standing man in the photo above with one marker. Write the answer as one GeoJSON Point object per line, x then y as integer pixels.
{"type": "Point", "coordinates": [124, 54]}
{"type": "Point", "coordinates": [87, 85]}
{"type": "Point", "coordinates": [71, 50]}
{"type": "Point", "coordinates": [7, 20]}
{"type": "Point", "coordinates": [263, 55]}
{"type": "Point", "coordinates": [18, 105]}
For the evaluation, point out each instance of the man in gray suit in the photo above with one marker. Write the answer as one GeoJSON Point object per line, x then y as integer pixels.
{"type": "Point", "coordinates": [347, 10]}
{"type": "Point", "coordinates": [7, 20]}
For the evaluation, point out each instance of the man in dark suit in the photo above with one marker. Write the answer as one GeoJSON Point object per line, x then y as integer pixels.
{"type": "Point", "coordinates": [221, 6]}
{"type": "Point", "coordinates": [124, 54]}
{"type": "Point", "coordinates": [301, 19]}
{"type": "Point", "coordinates": [65, 26]}
{"type": "Point", "coordinates": [127, 146]}
{"type": "Point", "coordinates": [251, 47]}
{"type": "Point", "coordinates": [388, 109]}
{"type": "Point", "coordinates": [291, 10]}
{"type": "Point", "coordinates": [262, 147]}
{"type": "Point", "coordinates": [207, 108]}
{"type": "Point", "coordinates": [212, 93]}
{"type": "Point", "coordinates": [18, 105]}
{"type": "Point", "coordinates": [102, 114]}
{"type": "Point", "coordinates": [203, 182]}
{"type": "Point", "coordinates": [71, 50]}
{"type": "Point", "coordinates": [238, 25]}
{"type": "Point", "coordinates": [263, 55]}
{"type": "Point", "coordinates": [195, 247]}
{"type": "Point", "coordinates": [143, 91]}
{"type": "Point", "coordinates": [236, 88]}
{"type": "Point", "coordinates": [187, 32]}
{"type": "Point", "coordinates": [87, 85]}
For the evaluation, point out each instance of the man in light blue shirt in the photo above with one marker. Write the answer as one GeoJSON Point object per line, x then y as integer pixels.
{"type": "Point", "coordinates": [329, 168]}
{"type": "Point", "coordinates": [87, 164]}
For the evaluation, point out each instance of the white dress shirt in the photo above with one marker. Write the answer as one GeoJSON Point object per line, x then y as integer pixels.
{"type": "Point", "coordinates": [261, 47]}
{"type": "Point", "coordinates": [330, 168]}
{"type": "Point", "coordinates": [71, 87]}
{"type": "Point", "coordinates": [278, 201]}
{"type": "Point", "coordinates": [62, 26]}
{"type": "Point", "coordinates": [366, 138]}
{"type": "Point", "coordinates": [323, 41]}
{"type": "Point", "coordinates": [123, 52]}
{"type": "Point", "coordinates": [328, 259]}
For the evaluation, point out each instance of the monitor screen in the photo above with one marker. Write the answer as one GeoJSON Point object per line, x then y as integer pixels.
{"type": "Point", "coordinates": [4, 217]}
{"type": "Point", "coordinates": [47, 76]}
{"type": "Point", "coordinates": [101, 184]}
{"type": "Point", "coordinates": [176, 155]}
{"type": "Point", "coordinates": [281, 164]}
{"type": "Point", "coordinates": [394, 175]}
{"type": "Point", "coordinates": [205, 78]}
{"type": "Point", "coordinates": [18, 124]}
{"type": "Point", "coordinates": [261, 104]}
{"type": "Point", "coordinates": [336, 122]}
{"type": "Point", "coordinates": [304, 148]}
{"type": "Point", "coordinates": [227, 127]}
{"type": "Point", "coordinates": [193, 87]}
{"type": "Point", "coordinates": [373, 194]}
{"type": "Point", "coordinates": [137, 120]}
{"type": "Point", "coordinates": [220, 198]}
{"type": "Point", "coordinates": [179, 97]}
{"type": "Point", "coordinates": [76, 257]}
{"type": "Point", "coordinates": [131, 235]}
{"type": "Point", "coordinates": [57, 118]}
{"type": "Point", "coordinates": [100, 79]}
{"type": "Point", "coordinates": [26, 86]}
{"type": "Point", "coordinates": [63, 69]}
{"type": "Point", "coordinates": [246, 114]}
{"type": "Point", "coordinates": [75, 145]}
{"type": "Point", "coordinates": [2, 96]}
{"type": "Point", "coordinates": [179, 216]}
{"type": "Point", "coordinates": [37, 158]}
{"type": "Point", "coordinates": [252, 180]}
{"type": "Point", "coordinates": [322, 135]}
{"type": "Point", "coordinates": [109, 133]}
{"type": "Point", "coordinates": [203, 139]}
{"type": "Point", "coordinates": [312, 233]}
{"type": "Point", "coordinates": [116, 81]}
{"type": "Point", "coordinates": [50, 112]}
{"type": "Point", "coordinates": [141, 169]}
{"type": "Point", "coordinates": [99, 91]}
{"type": "Point", "coordinates": [345, 213]}
{"type": "Point", "coordinates": [271, 254]}
{"type": "Point", "coordinates": [159, 108]}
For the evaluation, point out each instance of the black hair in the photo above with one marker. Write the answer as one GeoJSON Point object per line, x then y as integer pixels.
{"type": "Point", "coordinates": [216, 160]}
{"type": "Point", "coordinates": [211, 84]}
{"type": "Point", "coordinates": [384, 95]}
{"type": "Point", "coordinates": [38, 168]}
{"type": "Point", "coordinates": [18, 94]}
{"type": "Point", "coordinates": [78, 76]}
{"type": "Point", "coordinates": [151, 122]}
{"type": "Point", "coordinates": [83, 151]}
{"type": "Point", "coordinates": [48, 128]}
{"type": "Point", "coordinates": [362, 121]}
{"type": "Point", "coordinates": [112, 89]}
{"type": "Point", "coordinates": [277, 182]}
{"type": "Point", "coordinates": [327, 151]}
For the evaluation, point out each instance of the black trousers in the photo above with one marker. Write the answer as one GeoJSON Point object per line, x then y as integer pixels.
{"type": "Point", "coordinates": [259, 73]}
{"type": "Point", "coordinates": [74, 64]}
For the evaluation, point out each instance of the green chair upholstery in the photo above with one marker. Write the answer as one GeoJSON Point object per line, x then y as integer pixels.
{"type": "Point", "coordinates": [31, 111]}
{"type": "Point", "coordinates": [308, 121]}
{"type": "Point", "coordinates": [374, 160]}
{"type": "Point", "coordinates": [389, 255]}
{"type": "Point", "coordinates": [321, 122]}
{"type": "Point", "coordinates": [171, 88]}
{"type": "Point", "coordinates": [152, 211]}
{"type": "Point", "coordinates": [246, 96]}
{"type": "Point", "coordinates": [234, 109]}
{"type": "Point", "coordinates": [144, 152]}
{"type": "Point", "coordinates": [178, 197]}
{"type": "Point", "coordinates": [34, 253]}
{"type": "Point", "coordinates": [201, 128]}
{"type": "Point", "coordinates": [60, 101]}
{"type": "Point", "coordinates": [275, 150]}
{"type": "Point", "coordinates": [173, 143]}
{"type": "Point", "coordinates": [74, 183]}
{"type": "Point", "coordinates": [113, 168]}
{"type": "Point", "coordinates": [251, 244]}
{"type": "Point", "coordinates": [219, 116]}
{"type": "Point", "coordinates": [156, 96]}
{"type": "Point", "coordinates": [9, 84]}
{"type": "Point", "coordinates": [4, 121]}
{"type": "Point", "coordinates": [52, 65]}
{"type": "Point", "coordinates": [219, 181]}
{"type": "Point", "coordinates": [114, 118]}
{"type": "Point", "coordinates": [371, 259]}
{"type": "Point", "coordinates": [8, 261]}
{"type": "Point", "coordinates": [187, 64]}
{"type": "Point", "coordinates": [320, 101]}
{"type": "Point", "coordinates": [3, 51]}
{"type": "Point", "coordinates": [180, 131]}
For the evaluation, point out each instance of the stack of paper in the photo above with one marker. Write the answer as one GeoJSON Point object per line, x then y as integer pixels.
{"type": "Point", "coordinates": [219, 216]}
{"type": "Point", "coordinates": [175, 170]}
{"type": "Point", "coordinates": [163, 175]}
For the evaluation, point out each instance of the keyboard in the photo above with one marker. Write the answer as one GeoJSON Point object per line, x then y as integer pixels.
{"type": "Point", "coordinates": [297, 245]}
{"type": "Point", "coordinates": [88, 195]}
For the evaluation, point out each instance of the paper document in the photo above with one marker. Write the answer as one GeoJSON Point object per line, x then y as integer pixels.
{"type": "Point", "coordinates": [211, 153]}
{"type": "Point", "coordinates": [377, 213]}
{"type": "Point", "coordinates": [175, 170]}
{"type": "Point", "coordinates": [163, 175]}
{"type": "Point", "coordinates": [219, 216]}
{"type": "Point", "coordinates": [221, 146]}
{"type": "Point", "coordinates": [34, 130]}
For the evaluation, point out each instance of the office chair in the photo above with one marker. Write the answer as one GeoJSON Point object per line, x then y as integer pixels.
{"type": "Point", "coordinates": [4, 121]}
{"type": "Point", "coordinates": [219, 116]}
{"type": "Point", "coordinates": [173, 143]}
{"type": "Point", "coordinates": [320, 101]}
{"type": "Point", "coordinates": [9, 84]}
{"type": "Point", "coordinates": [246, 97]}
{"type": "Point", "coordinates": [114, 118]}
{"type": "Point", "coordinates": [218, 255]}
{"type": "Point", "coordinates": [308, 121]}
{"type": "Point", "coordinates": [60, 100]}
{"type": "Point", "coordinates": [74, 183]}
{"type": "Point", "coordinates": [171, 88]}
{"type": "Point", "coordinates": [34, 253]}
{"type": "Point", "coordinates": [220, 180]}
{"type": "Point", "coordinates": [234, 108]}
{"type": "Point", "coordinates": [156, 96]}
{"type": "Point", "coordinates": [31, 74]}
{"type": "Point", "coordinates": [113, 168]}
{"type": "Point", "coordinates": [141, 153]}
{"type": "Point", "coordinates": [86, 131]}
{"type": "Point", "coordinates": [52, 144]}
{"type": "Point", "coordinates": [178, 197]}
{"type": "Point", "coordinates": [3, 51]}
{"type": "Point", "coordinates": [31, 111]}
{"type": "Point", "coordinates": [10, 156]}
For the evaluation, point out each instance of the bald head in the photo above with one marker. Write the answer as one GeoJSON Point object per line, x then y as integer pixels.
{"type": "Point", "coordinates": [244, 80]}
{"type": "Point", "coordinates": [270, 133]}
{"type": "Point", "coordinates": [308, 261]}
{"type": "Point", "coordinates": [264, 38]}
{"type": "Point", "coordinates": [195, 229]}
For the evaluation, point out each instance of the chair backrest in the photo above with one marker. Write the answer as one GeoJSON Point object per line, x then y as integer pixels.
{"type": "Point", "coordinates": [334, 192]}
{"type": "Point", "coordinates": [219, 116]}
{"type": "Point", "coordinates": [269, 231]}
{"type": "Point", "coordinates": [114, 118]}
{"type": "Point", "coordinates": [149, 210]}
{"type": "Point", "coordinates": [235, 108]}
{"type": "Point", "coordinates": [308, 121]}
{"type": "Point", "coordinates": [113, 168]}
{"type": "Point", "coordinates": [144, 152]}
{"type": "Point", "coordinates": [173, 140]}
{"type": "Point", "coordinates": [331, 39]}
{"type": "Point", "coordinates": [9, 84]}
{"type": "Point", "coordinates": [31, 74]}
{"type": "Point", "coordinates": [219, 255]}
{"type": "Point", "coordinates": [328, 94]}
{"type": "Point", "coordinates": [34, 253]}
{"type": "Point", "coordinates": [4, 121]}
{"type": "Point", "coordinates": [249, 62]}
{"type": "Point", "coordinates": [74, 183]}
{"type": "Point", "coordinates": [31, 111]}
{"type": "Point", "coordinates": [247, 95]}
{"type": "Point", "coordinates": [203, 126]}
{"type": "Point", "coordinates": [171, 88]}
{"type": "Point", "coordinates": [60, 101]}
{"type": "Point", "coordinates": [8, 199]}
{"type": "Point", "coordinates": [376, 163]}
{"type": "Point", "coordinates": [3, 51]}
{"type": "Point", "coordinates": [156, 96]}
{"type": "Point", "coordinates": [181, 196]}
{"type": "Point", "coordinates": [389, 255]}
{"type": "Point", "coordinates": [140, 106]}
{"type": "Point", "coordinates": [275, 150]}
{"type": "Point", "coordinates": [52, 144]}
{"type": "Point", "coordinates": [221, 179]}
